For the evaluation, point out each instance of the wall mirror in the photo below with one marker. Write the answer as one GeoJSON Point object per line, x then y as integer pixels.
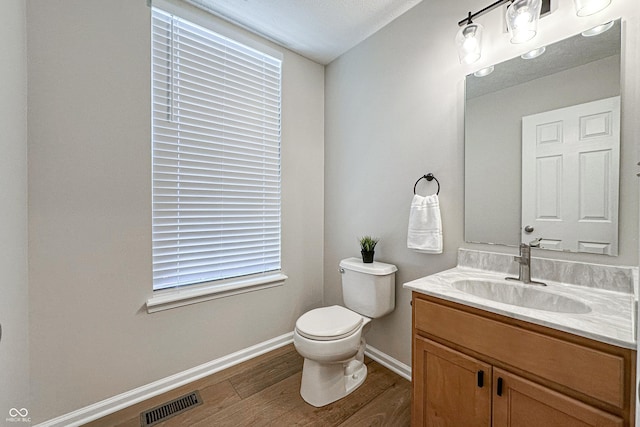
{"type": "Point", "coordinates": [542, 144]}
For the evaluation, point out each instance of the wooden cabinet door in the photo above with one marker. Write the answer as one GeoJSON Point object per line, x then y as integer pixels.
{"type": "Point", "coordinates": [450, 389]}
{"type": "Point", "coordinates": [518, 402]}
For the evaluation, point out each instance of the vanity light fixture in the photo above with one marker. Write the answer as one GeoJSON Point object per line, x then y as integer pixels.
{"type": "Point", "coordinates": [533, 53]}
{"type": "Point", "coordinates": [522, 22]}
{"type": "Point", "coordinates": [598, 29]}
{"type": "Point", "coordinates": [484, 71]}
{"type": "Point", "coordinates": [589, 7]}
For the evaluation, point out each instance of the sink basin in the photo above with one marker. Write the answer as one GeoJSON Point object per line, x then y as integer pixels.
{"type": "Point", "coordinates": [521, 295]}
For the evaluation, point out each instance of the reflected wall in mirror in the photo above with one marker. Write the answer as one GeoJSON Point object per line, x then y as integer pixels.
{"type": "Point", "coordinates": [561, 190]}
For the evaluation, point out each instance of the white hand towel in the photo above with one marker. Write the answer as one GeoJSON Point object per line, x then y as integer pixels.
{"type": "Point", "coordinates": [425, 225]}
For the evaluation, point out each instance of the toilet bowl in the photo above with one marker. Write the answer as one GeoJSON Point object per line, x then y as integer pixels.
{"type": "Point", "coordinates": [331, 339]}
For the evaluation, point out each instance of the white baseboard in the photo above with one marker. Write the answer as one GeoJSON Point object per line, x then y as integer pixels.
{"type": "Point", "coordinates": [389, 362]}
{"type": "Point", "coordinates": [121, 401]}
{"type": "Point", "coordinates": [124, 400]}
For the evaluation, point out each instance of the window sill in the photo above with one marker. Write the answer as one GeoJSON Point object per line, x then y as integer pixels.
{"type": "Point", "coordinates": [172, 298]}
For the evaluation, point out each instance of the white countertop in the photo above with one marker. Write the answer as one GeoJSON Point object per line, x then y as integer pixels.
{"type": "Point", "coordinates": [611, 319]}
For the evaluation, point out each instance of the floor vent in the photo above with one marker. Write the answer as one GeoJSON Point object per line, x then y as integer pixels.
{"type": "Point", "coordinates": [170, 409]}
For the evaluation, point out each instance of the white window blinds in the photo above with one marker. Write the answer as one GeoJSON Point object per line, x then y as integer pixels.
{"type": "Point", "coordinates": [216, 156]}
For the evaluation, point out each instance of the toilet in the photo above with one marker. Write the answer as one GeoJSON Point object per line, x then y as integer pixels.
{"type": "Point", "coordinates": [331, 339]}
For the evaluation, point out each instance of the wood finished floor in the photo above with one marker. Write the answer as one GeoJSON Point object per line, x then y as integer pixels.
{"type": "Point", "coordinates": [265, 391]}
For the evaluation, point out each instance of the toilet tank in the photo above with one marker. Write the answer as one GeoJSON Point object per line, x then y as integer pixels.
{"type": "Point", "coordinates": [368, 289]}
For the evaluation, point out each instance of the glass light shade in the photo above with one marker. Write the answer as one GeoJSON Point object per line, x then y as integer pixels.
{"type": "Point", "coordinates": [469, 43]}
{"type": "Point", "coordinates": [522, 19]}
{"type": "Point", "coordinates": [598, 29]}
{"type": "Point", "coordinates": [534, 53]}
{"type": "Point", "coordinates": [484, 71]}
{"type": "Point", "coordinates": [589, 7]}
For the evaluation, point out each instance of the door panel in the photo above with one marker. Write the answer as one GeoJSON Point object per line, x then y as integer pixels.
{"type": "Point", "coordinates": [522, 403]}
{"type": "Point", "coordinates": [450, 393]}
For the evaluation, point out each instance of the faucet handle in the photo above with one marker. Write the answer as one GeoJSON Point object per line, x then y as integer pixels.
{"type": "Point", "coordinates": [535, 243]}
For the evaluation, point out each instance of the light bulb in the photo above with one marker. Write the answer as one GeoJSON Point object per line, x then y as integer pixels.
{"type": "Point", "coordinates": [470, 44]}
{"type": "Point", "coordinates": [522, 18]}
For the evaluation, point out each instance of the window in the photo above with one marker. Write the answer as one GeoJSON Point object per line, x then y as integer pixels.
{"type": "Point", "coordinates": [216, 156]}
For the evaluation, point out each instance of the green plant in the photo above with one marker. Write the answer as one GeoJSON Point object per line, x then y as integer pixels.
{"type": "Point", "coordinates": [368, 243]}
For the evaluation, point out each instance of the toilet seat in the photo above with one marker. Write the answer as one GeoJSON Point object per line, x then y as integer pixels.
{"type": "Point", "coordinates": [328, 323]}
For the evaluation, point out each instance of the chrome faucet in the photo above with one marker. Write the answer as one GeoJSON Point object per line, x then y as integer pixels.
{"type": "Point", "coordinates": [524, 259]}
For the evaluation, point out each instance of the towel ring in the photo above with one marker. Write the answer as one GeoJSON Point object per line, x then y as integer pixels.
{"type": "Point", "coordinates": [428, 177]}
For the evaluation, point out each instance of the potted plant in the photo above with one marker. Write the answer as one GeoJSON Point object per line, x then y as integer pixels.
{"type": "Point", "coordinates": [367, 245]}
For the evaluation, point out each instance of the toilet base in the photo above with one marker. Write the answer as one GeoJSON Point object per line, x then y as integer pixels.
{"type": "Point", "coordinates": [324, 383]}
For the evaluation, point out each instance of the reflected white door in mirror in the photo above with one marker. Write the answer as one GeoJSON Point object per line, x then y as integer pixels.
{"type": "Point", "coordinates": [570, 170]}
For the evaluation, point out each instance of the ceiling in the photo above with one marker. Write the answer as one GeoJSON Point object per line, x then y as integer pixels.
{"type": "Point", "coordinates": [320, 30]}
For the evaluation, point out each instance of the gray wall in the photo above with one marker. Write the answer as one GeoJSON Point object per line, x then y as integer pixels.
{"type": "Point", "coordinates": [14, 346]}
{"type": "Point", "coordinates": [394, 111]}
{"type": "Point", "coordinates": [90, 213]}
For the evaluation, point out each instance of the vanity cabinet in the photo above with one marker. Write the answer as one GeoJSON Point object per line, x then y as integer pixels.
{"type": "Point", "coordinates": [475, 368]}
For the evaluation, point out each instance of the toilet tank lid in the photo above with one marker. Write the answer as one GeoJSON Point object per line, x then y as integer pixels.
{"type": "Point", "coordinates": [375, 268]}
